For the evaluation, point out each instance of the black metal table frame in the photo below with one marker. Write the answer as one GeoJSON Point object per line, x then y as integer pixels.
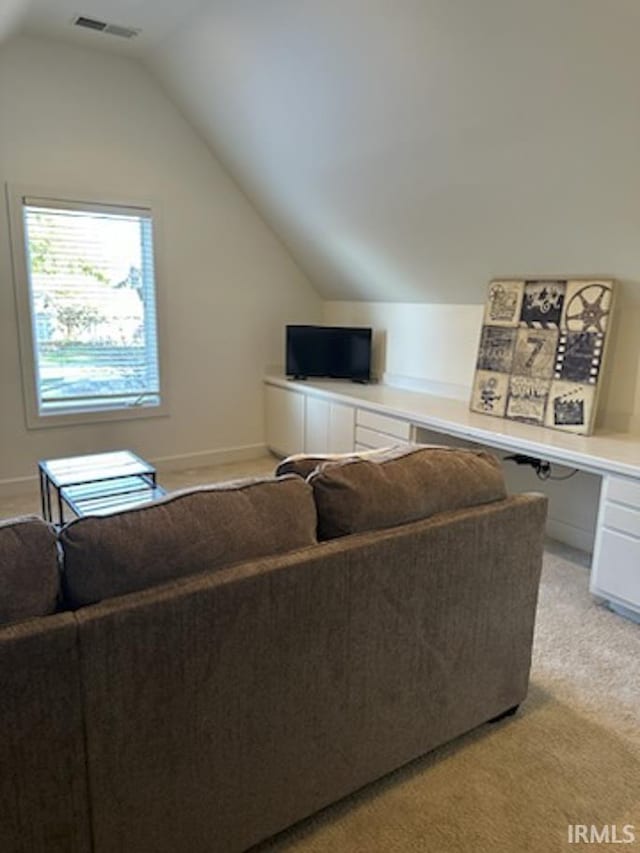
{"type": "Point", "coordinates": [46, 483]}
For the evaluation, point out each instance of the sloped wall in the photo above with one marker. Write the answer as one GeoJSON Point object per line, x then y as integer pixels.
{"type": "Point", "coordinates": [411, 151]}
{"type": "Point", "coordinates": [82, 121]}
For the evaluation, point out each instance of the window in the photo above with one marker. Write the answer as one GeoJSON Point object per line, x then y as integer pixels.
{"type": "Point", "coordinates": [87, 309]}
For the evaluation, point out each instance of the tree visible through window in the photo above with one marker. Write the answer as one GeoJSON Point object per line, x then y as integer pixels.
{"type": "Point", "coordinates": [92, 303]}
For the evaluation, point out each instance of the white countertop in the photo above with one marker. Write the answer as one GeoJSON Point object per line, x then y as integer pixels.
{"type": "Point", "coordinates": [601, 453]}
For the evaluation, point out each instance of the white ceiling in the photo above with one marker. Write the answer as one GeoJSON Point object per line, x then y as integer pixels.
{"type": "Point", "coordinates": [410, 150]}
{"type": "Point", "coordinates": [156, 18]}
{"type": "Point", "coordinates": [407, 150]}
{"type": "Point", "coordinates": [11, 13]}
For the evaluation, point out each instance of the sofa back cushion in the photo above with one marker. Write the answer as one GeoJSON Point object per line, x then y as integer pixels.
{"type": "Point", "coordinates": [402, 485]}
{"type": "Point", "coordinates": [183, 534]}
{"type": "Point", "coordinates": [29, 575]}
{"type": "Point", "coordinates": [303, 464]}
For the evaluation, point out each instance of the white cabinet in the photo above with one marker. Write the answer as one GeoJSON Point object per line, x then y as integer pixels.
{"type": "Point", "coordinates": [341, 428]}
{"type": "Point", "coordinates": [328, 427]}
{"type": "Point", "coordinates": [316, 425]}
{"type": "Point", "coordinates": [616, 558]}
{"type": "Point", "coordinates": [303, 423]}
{"type": "Point", "coordinates": [285, 420]}
{"type": "Point", "coordinates": [374, 430]}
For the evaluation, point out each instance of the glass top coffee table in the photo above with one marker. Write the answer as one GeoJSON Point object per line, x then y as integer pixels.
{"type": "Point", "coordinates": [97, 484]}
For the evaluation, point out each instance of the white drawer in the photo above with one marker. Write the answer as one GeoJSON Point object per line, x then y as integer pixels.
{"type": "Point", "coordinates": [370, 438]}
{"type": "Point", "coordinates": [622, 518]}
{"type": "Point", "coordinates": [623, 490]}
{"type": "Point", "coordinates": [383, 423]}
{"type": "Point", "coordinates": [617, 570]}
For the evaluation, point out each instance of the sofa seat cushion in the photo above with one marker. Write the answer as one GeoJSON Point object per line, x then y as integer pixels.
{"type": "Point", "coordinates": [29, 574]}
{"type": "Point", "coordinates": [185, 533]}
{"type": "Point", "coordinates": [402, 485]}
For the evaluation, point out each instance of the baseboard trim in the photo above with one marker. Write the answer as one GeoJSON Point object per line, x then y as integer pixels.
{"type": "Point", "coordinates": [569, 534]}
{"type": "Point", "coordinates": [19, 486]}
{"type": "Point", "coordinates": [206, 458]}
{"type": "Point", "coordinates": [178, 462]}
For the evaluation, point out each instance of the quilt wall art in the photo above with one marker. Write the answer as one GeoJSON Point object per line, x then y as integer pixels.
{"type": "Point", "coordinates": [541, 351]}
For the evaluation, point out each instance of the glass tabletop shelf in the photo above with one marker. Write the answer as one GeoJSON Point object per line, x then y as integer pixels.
{"type": "Point", "coordinates": [97, 483]}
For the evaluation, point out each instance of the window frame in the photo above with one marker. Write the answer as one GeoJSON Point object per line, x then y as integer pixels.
{"type": "Point", "coordinates": [16, 196]}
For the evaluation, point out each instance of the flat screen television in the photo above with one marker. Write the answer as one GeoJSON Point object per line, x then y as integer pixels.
{"type": "Point", "coordinates": [339, 352]}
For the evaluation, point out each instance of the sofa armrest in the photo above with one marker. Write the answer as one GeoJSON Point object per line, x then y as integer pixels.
{"type": "Point", "coordinates": [44, 803]}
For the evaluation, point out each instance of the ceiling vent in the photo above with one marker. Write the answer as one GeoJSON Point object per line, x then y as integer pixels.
{"type": "Point", "coordinates": [104, 27]}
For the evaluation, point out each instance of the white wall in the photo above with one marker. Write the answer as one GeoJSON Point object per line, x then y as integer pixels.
{"type": "Point", "coordinates": [434, 347]}
{"type": "Point", "coordinates": [429, 346]}
{"type": "Point", "coordinates": [90, 122]}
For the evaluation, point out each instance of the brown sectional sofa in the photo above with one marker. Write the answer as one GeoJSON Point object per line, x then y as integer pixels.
{"type": "Point", "coordinates": [260, 674]}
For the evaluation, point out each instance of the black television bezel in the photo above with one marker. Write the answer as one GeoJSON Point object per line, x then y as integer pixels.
{"type": "Point", "coordinates": [328, 374]}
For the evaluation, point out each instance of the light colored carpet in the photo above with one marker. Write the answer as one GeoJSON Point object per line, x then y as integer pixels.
{"type": "Point", "coordinates": [571, 754]}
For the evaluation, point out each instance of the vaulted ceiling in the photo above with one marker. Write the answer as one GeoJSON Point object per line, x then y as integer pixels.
{"type": "Point", "coordinates": [156, 19]}
{"type": "Point", "coordinates": [407, 150]}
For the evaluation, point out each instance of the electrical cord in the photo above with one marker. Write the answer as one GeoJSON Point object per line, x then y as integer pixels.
{"type": "Point", "coordinates": [540, 466]}
{"type": "Point", "coordinates": [565, 477]}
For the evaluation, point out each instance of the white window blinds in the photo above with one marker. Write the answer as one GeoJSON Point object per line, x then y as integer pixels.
{"type": "Point", "coordinates": [93, 305]}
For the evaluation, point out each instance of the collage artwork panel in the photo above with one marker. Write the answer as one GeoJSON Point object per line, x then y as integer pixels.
{"type": "Point", "coordinates": [541, 350]}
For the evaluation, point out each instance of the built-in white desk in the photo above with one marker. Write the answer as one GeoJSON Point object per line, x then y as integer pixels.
{"type": "Point", "coordinates": [331, 415]}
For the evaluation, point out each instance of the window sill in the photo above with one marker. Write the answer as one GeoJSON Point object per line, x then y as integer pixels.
{"type": "Point", "coordinates": [95, 416]}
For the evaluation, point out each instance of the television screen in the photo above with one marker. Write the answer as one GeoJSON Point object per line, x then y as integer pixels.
{"type": "Point", "coordinates": [338, 352]}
